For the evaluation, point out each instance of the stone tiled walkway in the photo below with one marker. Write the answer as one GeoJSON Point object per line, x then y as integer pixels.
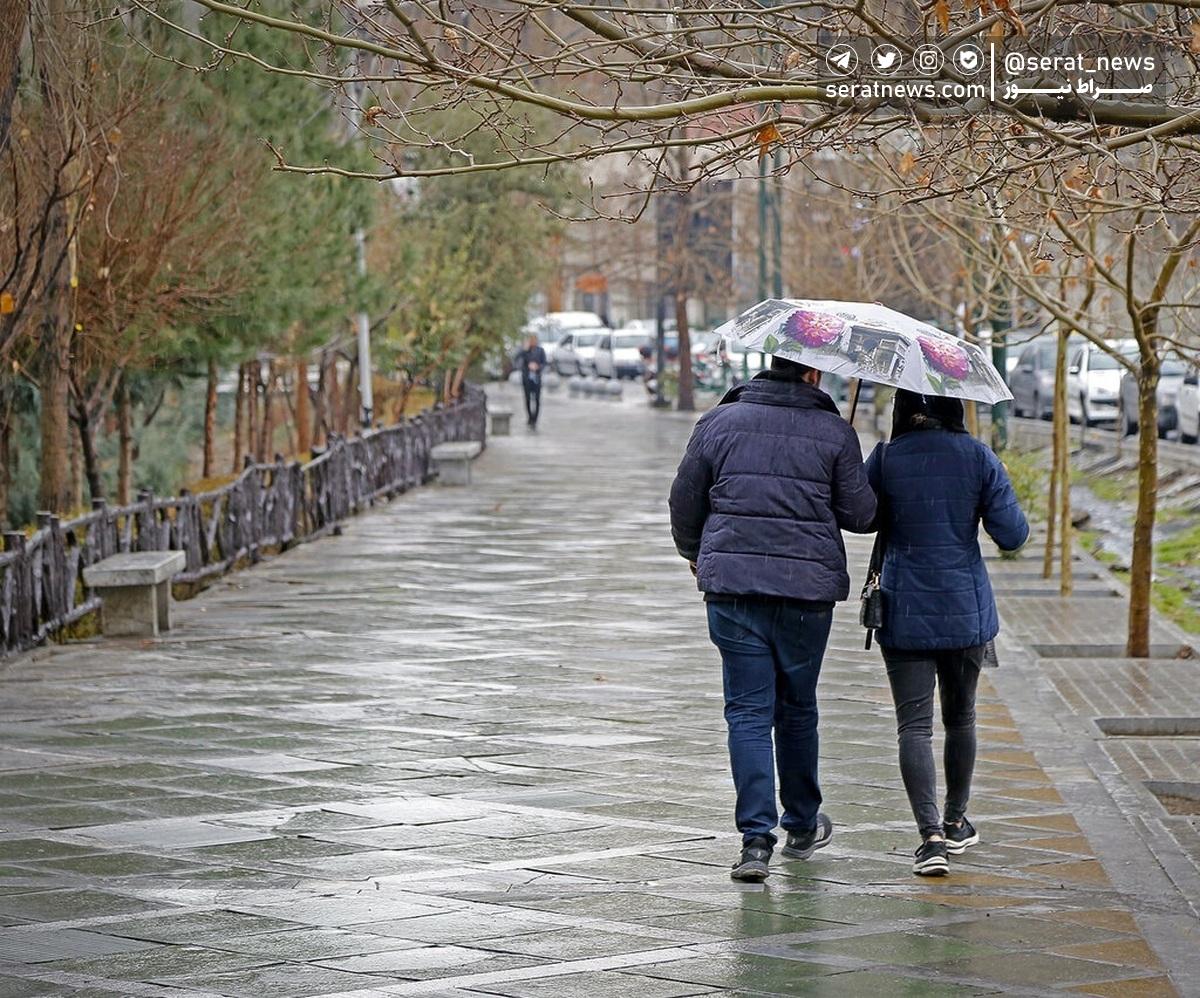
{"type": "Point", "coordinates": [474, 747]}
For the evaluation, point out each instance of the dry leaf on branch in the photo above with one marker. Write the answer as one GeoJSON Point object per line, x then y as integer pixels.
{"type": "Point", "coordinates": [767, 136]}
{"type": "Point", "coordinates": [941, 10]}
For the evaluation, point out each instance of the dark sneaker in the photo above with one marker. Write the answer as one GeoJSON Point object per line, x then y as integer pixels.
{"type": "Point", "coordinates": [752, 867]}
{"type": "Point", "coordinates": [960, 836]}
{"type": "Point", "coordinates": [802, 846]}
{"type": "Point", "coordinates": [931, 859]}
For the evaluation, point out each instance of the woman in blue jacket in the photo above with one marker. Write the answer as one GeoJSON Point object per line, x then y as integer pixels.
{"type": "Point", "coordinates": [936, 484]}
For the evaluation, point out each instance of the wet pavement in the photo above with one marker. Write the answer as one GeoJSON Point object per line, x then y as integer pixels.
{"type": "Point", "coordinates": [474, 746]}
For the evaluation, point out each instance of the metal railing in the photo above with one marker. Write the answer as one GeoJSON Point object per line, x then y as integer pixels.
{"type": "Point", "coordinates": [267, 507]}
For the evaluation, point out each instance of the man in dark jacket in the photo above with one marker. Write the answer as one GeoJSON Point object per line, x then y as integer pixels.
{"type": "Point", "coordinates": [771, 478]}
{"type": "Point", "coordinates": [531, 362]}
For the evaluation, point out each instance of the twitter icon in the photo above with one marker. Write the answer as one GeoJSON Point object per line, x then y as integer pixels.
{"type": "Point", "coordinates": [886, 59]}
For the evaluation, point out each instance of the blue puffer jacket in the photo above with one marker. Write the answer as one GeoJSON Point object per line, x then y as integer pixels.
{"type": "Point", "coordinates": [770, 479]}
{"type": "Point", "coordinates": [937, 486]}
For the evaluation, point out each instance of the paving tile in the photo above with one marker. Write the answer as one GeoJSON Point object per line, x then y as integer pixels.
{"type": "Point", "coordinates": [606, 984]}
{"type": "Point", "coordinates": [743, 970]}
{"type": "Point", "coordinates": [39, 945]}
{"type": "Point", "coordinates": [281, 980]}
{"type": "Point", "coordinates": [57, 906]}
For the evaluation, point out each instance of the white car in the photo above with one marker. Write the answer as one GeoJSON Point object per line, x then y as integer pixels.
{"type": "Point", "coordinates": [549, 328]}
{"type": "Point", "coordinates": [576, 349]}
{"type": "Point", "coordinates": [1188, 405]}
{"type": "Point", "coordinates": [1094, 381]}
{"type": "Point", "coordinates": [619, 354]}
{"type": "Point", "coordinates": [742, 363]}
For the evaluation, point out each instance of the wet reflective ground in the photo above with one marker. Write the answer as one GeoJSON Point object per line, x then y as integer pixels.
{"type": "Point", "coordinates": [475, 747]}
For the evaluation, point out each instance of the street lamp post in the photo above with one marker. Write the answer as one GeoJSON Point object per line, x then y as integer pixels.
{"type": "Point", "coordinates": [366, 389]}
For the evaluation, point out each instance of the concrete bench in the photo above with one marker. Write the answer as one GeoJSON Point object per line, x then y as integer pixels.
{"type": "Point", "coordinates": [452, 461]}
{"type": "Point", "coordinates": [501, 421]}
{"type": "Point", "coordinates": [136, 591]}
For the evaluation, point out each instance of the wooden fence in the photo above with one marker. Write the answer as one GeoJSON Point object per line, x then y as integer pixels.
{"type": "Point", "coordinates": [268, 506]}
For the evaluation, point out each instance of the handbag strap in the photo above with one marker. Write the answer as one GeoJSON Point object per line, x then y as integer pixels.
{"type": "Point", "coordinates": [875, 566]}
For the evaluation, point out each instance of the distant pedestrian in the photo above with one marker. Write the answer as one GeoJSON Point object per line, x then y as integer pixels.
{"type": "Point", "coordinates": [771, 478]}
{"type": "Point", "coordinates": [532, 362]}
{"type": "Point", "coordinates": [936, 484]}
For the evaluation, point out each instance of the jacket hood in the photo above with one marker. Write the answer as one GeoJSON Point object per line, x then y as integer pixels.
{"type": "Point", "coordinates": [767, 388]}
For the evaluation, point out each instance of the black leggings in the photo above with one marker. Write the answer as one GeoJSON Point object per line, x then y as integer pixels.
{"type": "Point", "coordinates": [533, 399]}
{"type": "Point", "coordinates": [912, 675]}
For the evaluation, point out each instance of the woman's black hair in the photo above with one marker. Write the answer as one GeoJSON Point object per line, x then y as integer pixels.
{"type": "Point", "coordinates": [926, 412]}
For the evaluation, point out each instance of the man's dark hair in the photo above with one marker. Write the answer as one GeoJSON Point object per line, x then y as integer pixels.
{"type": "Point", "coordinates": [926, 412]}
{"type": "Point", "coordinates": [788, 368]}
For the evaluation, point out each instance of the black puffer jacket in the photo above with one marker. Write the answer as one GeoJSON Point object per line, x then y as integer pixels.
{"type": "Point", "coordinates": [771, 478]}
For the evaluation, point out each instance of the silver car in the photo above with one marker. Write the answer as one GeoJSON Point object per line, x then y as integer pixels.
{"type": "Point", "coordinates": [1032, 378]}
{"type": "Point", "coordinates": [1170, 382]}
{"type": "Point", "coordinates": [576, 349]}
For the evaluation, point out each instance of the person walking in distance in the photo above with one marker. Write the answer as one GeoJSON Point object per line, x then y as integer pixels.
{"type": "Point", "coordinates": [936, 484]}
{"type": "Point", "coordinates": [771, 478]}
{"type": "Point", "coordinates": [531, 361]}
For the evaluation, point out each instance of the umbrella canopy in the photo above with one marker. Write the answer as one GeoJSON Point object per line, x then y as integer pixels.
{"type": "Point", "coordinates": [871, 342]}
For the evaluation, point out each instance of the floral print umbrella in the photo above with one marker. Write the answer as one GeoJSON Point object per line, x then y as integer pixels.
{"type": "Point", "coordinates": [870, 342]}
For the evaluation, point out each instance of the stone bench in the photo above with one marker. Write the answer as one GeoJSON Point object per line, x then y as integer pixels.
{"type": "Point", "coordinates": [501, 420]}
{"type": "Point", "coordinates": [452, 461]}
{"type": "Point", "coordinates": [136, 591]}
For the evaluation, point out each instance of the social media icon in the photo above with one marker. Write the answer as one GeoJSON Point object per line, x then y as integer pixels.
{"type": "Point", "coordinates": [968, 58]}
{"type": "Point", "coordinates": [886, 59]}
{"type": "Point", "coordinates": [842, 60]}
{"type": "Point", "coordinates": [929, 60]}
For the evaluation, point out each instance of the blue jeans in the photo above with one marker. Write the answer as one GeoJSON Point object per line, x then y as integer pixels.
{"type": "Point", "coordinates": [771, 652]}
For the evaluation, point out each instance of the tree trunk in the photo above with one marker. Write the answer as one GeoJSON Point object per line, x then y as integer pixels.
{"type": "Point", "coordinates": [12, 30]}
{"type": "Point", "coordinates": [972, 414]}
{"type": "Point", "coordinates": [1052, 504]}
{"type": "Point", "coordinates": [124, 445]}
{"type": "Point", "coordinates": [351, 399]}
{"type": "Point", "coordinates": [6, 413]}
{"type": "Point", "coordinates": [687, 396]}
{"type": "Point", "coordinates": [1141, 565]}
{"type": "Point", "coordinates": [54, 355]}
{"type": "Point", "coordinates": [1062, 429]}
{"type": "Point", "coordinates": [253, 386]}
{"type": "Point", "coordinates": [210, 422]}
{"type": "Point", "coordinates": [86, 425]}
{"type": "Point", "coordinates": [239, 407]}
{"type": "Point", "coordinates": [460, 375]}
{"type": "Point", "coordinates": [266, 437]}
{"type": "Point", "coordinates": [1057, 452]}
{"type": "Point", "coordinates": [303, 416]}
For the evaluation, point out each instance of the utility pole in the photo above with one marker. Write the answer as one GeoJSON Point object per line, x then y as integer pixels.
{"type": "Point", "coordinates": [777, 218]}
{"type": "Point", "coordinates": [1001, 325]}
{"type": "Point", "coordinates": [366, 388]}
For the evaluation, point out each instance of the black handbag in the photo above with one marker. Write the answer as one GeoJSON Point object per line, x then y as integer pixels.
{"type": "Point", "coordinates": [870, 610]}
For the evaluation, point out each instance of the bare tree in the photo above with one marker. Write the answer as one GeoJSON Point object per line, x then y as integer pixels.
{"type": "Point", "coordinates": [623, 79]}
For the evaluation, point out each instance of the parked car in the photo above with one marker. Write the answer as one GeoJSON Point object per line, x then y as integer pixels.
{"type": "Point", "coordinates": [551, 327]}
{"type": "Point", "coordinates": [576, 349]}
{"type": "Point", "coordinates": [1170, 381]}
{"type": "Point", "coordinates": [619, 354]}
{"type": "Point", "coordinates": [1188, 405]}
{"type": "Point", "coordinates": [1094, 381]}
{"type": "Point", "coordinates": [1032, 379]}
{"type": "Point", "coordinates": [739, 362]}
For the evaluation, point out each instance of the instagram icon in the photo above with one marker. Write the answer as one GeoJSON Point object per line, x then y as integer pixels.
{"type": "Point", "coordinates": [928, 60]}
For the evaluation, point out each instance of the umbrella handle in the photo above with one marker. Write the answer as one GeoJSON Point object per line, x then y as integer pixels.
{"type": "Point", "coordinates": [854, 400]}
